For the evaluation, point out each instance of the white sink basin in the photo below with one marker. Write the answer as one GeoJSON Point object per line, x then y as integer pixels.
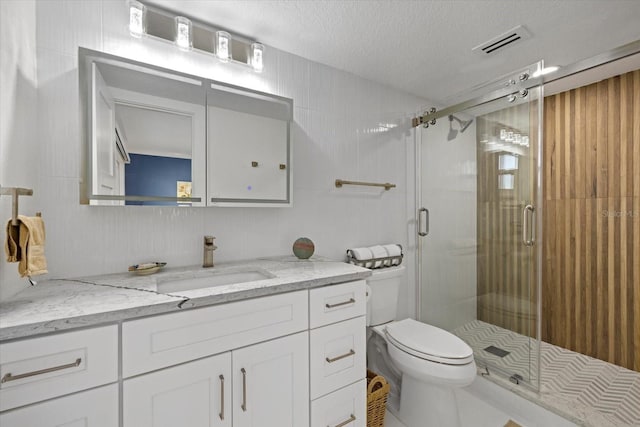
{"type": "Point", "coordinates": [209, 280]}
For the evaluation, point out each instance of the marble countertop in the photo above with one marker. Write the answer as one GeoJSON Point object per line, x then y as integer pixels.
{"type": "Point", "coordinates": [61, 304]}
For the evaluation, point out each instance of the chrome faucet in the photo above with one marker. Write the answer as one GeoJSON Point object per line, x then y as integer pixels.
{"type": "Point", "coordinates": [209, 247]}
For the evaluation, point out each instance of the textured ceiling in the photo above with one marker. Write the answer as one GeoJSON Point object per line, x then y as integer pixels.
{"type": "Point", "coordinates": [424, 47]}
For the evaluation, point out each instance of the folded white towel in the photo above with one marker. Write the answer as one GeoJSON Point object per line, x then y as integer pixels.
{"type": "Point", "coordinates": [378, 252]}
{"type": "Point", "coordinates": [393, 250]}
{"type": "Point", "coordinates": [362, 254]}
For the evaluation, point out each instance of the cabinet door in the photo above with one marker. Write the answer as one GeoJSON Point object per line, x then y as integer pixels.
{"type": "Point", "coordinates": [93, 408]}
{"type": "Point", "coordinates": [196, 394]}
{"type": "Point", "coordinates": [271, 383]}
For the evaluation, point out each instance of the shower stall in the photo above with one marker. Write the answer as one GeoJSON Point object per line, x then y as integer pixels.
{"type": "Point", "coordinates": [480, 226]}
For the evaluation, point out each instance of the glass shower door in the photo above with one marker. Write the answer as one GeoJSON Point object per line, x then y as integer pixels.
{"type": "Point", "coordinates": [479, 262]}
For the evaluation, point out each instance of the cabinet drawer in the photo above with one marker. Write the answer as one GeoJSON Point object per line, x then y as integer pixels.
{"type": "Point", "coordinates": [156, 342]}
{"type": "Point", "coordinates": [36, 369]}
{"type": "Point", "coordinates": [337, 356]}
{"type": "Point", "coordinates": [332, 304]}
{"type": "Point", "coordinates": [93, 408]}
{"type": "Point", "coordinates": [195, 394]}
{"type": "Point", "coordinates": [347, 405]}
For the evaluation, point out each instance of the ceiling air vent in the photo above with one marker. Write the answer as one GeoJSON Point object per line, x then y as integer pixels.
{"type": "Point", "coordinates": [508, 38]}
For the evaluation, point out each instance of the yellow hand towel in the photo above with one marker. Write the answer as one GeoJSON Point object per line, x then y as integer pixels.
{"type": "Point", "coordinates": [11, 246]}
{"type": "Point", "coordinates": [32, 239]}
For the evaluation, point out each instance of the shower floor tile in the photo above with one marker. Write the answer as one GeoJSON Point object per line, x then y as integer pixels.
{"type": "Point", "coordinates": [584, 390]}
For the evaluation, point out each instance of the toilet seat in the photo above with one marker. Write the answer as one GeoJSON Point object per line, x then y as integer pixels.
{"type": "Point", "coordinates": [428, 342]}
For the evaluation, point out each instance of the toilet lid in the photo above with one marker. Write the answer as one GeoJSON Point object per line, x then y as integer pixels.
{"type": "Point", "coordinates": [429, 342]}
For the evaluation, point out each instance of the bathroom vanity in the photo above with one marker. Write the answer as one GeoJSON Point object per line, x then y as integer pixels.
{"type": "Point", "coordinates": [274, 342]}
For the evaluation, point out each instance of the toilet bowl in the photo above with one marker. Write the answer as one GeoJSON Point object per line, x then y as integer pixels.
{"type": "Point", "coordinates": [431, 361]}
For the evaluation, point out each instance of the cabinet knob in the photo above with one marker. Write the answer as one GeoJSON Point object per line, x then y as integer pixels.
{"type": "Point", "coordinates": [283, 166]}
{"type": "Point", "coordinates": [254, 164]}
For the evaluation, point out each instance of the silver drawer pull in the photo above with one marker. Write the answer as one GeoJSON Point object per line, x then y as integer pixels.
{"type": "Point", "coordinates": [244, 390]}
{"type": "Point", "coordinates": [9, 377]}
{"type": "Point", "coordinates": [351, 419]}
{"type": "Point", "coordinates": [221, 414]}
{"type": "Point", "coordinates": [351, 301]}
{"type": "Point", "coordinates": [335, 359]}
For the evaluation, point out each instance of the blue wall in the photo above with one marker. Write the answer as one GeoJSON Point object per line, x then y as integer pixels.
{"type": "Point", "coordinates": [155, 176]}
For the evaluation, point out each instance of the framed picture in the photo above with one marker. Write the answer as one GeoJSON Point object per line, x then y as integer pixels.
{"type": "Point", "coordinates": [184, 191]}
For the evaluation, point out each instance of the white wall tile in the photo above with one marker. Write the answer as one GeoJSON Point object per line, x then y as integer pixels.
{"type": "Point", "coordinates": [59, 133]}
{"type": "Point", "coordinates": [63, 25]}
{"type": "Point", "coordinates": [19, 148]}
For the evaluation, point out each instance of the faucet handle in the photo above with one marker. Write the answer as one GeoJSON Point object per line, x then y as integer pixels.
{"type": "Point", "coordinates": [208, 241]}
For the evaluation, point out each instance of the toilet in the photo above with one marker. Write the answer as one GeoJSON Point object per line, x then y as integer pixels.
{"type": "Point", "coordinates": [429, 363]}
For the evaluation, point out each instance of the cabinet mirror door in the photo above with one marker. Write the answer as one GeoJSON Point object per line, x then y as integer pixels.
{"type": "Point", "coordinates": [248, 150]}
{"type": "Point", "coordinates": [145, 133]}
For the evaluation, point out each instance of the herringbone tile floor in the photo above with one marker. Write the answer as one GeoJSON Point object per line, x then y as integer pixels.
{"type": "Point", "coordinates": [589, 383]}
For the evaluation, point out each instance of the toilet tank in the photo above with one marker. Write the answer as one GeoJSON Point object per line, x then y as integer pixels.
{"type": "Point", "coordinates": [382, 303]}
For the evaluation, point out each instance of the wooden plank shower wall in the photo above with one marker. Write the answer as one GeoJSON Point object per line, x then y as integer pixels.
{"type": "Point", "coordinates": [591, 235]}
{"type": "Point", "coordinates": [591, 266]}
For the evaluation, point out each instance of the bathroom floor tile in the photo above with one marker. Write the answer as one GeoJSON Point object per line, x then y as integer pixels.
{"type": "Point", "coordinates": [391, 421]}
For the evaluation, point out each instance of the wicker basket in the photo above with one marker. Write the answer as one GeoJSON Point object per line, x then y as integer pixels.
{"type": "Point", "coordinates": [377, 392]}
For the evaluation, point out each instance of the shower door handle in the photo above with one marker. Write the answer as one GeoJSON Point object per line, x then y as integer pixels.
{"type": "Point", "coordinates": [528, 228]}
{"type": "Point", "coordinates": [422, 211]}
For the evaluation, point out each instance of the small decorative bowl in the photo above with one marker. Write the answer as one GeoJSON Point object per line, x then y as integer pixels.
{"type": "Point", "coordinates": [147, 268]}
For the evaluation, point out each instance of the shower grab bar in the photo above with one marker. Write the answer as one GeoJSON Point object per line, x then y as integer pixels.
{"type": "Point", "coordinates": [527, 227]}
{"type": "Point", "coordinates": [426, 222]}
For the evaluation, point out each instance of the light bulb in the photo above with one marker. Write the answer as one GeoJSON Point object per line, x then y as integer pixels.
{"type": "Point", "coordinates": [257, 53]}
{"type": "Point", "coordinates": [184, 35]}
{"type": "Point", "coordinates": [137, 19]}
{"type": "Point", "coordinates": [223, 45]}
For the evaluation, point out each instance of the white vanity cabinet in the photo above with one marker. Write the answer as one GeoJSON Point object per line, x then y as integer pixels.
{"type": "Point", "coordinates": [259, 348]}
{"type": "Point", "coordinates": [294, 359]}
{"type": "Point", "coordinates": [269, 380]}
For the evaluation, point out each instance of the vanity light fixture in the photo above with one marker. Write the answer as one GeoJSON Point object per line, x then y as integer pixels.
{"type": "Point", "coordinates": [183, 33]}
{"type": "Point", "coordinates": [154, 23]}
{"type": "Point", "coordinates": [223, 46]}
{"type": "Point", "coordinates": [257, 51]}
{"type": "Point", "coordinates": [137, 18]}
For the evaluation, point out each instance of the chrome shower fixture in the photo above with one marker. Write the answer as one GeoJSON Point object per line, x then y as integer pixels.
{"type": "Point", "coordinates": [463, 126]}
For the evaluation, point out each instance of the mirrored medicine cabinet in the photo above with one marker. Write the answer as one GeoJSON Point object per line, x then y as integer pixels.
{"type": "Point", "coordinates": [154, 136]}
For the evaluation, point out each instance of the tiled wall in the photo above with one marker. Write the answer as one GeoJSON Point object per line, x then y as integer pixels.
{"type": "Point", "coordinates": [340, 131]}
